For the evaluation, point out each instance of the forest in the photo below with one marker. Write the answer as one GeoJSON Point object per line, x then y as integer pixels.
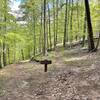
{"type": "Point", "coordinates": [49, 49]}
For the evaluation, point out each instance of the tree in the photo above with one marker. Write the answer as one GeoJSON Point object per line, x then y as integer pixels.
{"type": "Point", "coordinates": [56, 34]}
{"type": "Point", "coordinates": [71, 21]}
{"type": "Point", "coordinates": [65, 27]}
{"type": "Point", "coordinates": [49, 26]}
{"type": "Point", "coordinates": [54, 26]}
{"type": "Point", "coordinates": [41, 29]}
{"type": "Point", "coordinates": [91, 46]}
{"type": "Point", "coordinates": [45, 37]}
{"type": "Point", "coordinates": [5, 32]}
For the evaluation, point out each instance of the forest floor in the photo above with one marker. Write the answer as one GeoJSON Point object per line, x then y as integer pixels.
{"type": "Point", "coordinates": [73, 75]}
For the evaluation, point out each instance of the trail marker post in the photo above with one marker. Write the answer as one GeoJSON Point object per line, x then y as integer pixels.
{"type": "Point", "coordinates": [46, 62]}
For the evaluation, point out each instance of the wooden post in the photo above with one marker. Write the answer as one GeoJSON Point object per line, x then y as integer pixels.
{"type": "Point", "coordinates": [45, 68]}
{"type": "Point", "coordinates": [45, 62]}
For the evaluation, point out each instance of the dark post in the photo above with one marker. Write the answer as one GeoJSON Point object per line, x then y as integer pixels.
{"type": "Point", "coordinates": [45, 69]}
{"type": "Point", "coordinates": [46, 62]}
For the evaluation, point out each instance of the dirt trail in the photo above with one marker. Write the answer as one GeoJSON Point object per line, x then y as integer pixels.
{"type": "Point", "coordinates": [74, 75]}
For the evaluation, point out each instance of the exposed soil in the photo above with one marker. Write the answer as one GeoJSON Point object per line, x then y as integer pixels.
{"type": "Point", "coordinates": [74, 75]}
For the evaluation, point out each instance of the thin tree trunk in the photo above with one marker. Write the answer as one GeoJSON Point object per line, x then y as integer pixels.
{"type": "Point", "coordinates": [0, 57]}
{"type": "Point", "coordinates": [56, 20]}
{"type": "Point", "coordinates": [54, 24]}
{"type": "Point", "coordinates": [68, 19]}
{"type": "Point", "coordinates": [45, 38]}
{"type": "Point", "coordinates": [47, 33]}
{"type": "Point", "coordinates": [49, 27]}
{"type": "Point", "coordinates": [22, 53]}
{"type": "Point", "coordinates": [41, 30]}
{"type": "Point", "coordinates": [8, 55]}
{"type": "Point", "coordinates": [71, 23]}
{"type": "Point", "coordinates": [39, 42]}
{"type": "Point", "coordinates": [4, 53]}
{"type": "Point", "coordinates": [78, 16]}
{"type": "Point", "coordinates": [0, 61]}
{"type": "Point", "coordinates": [4, 44]}
{"type": "Point", "coordinates": [98, 42]}
{"type": "Point", "coordinates": [85, 23]}
{"type": "Point", "coordinates": [34, 36]}
{"type": "Point", "coordinates": [65, 27]}
{"type": "Point", "coordinates": [83, 41]}
{"type": "Point", "coordinates": [29, 50]}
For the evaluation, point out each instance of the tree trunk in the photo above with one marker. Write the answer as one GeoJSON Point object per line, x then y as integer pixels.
{"type": "Point", "coordinates": [71, 23]}
{"type": "Point", "coordinates": [4, 53]}
{"type": "Point", "coordinates": [91, 46]}
{"type": "Point", "coordinates": [68, 19]}
{"type": "Point", "coordinates": [78, 17]}
{"type": "Point", "coordinates": [0, 62]}
{"type": "Point", "coordinates": [85, 23]}
{"type": "Point", "coordinates": [54, 23]}
{"type": "Point", "coordinates": [5, 31]}
{"type": "Point", "coordinates": [8, 55]}
{"type": "Point", "coordinates": [49, 27]}
{"type": "Point", "coordinates": [34, 21]}
{"type": "Point", "coordinates": [45, 38]}
{"type": "Point", "coordinates": [22, 53]}
{"type": "Point", "coordinates": [41, 30]}
{"type": "Point", "coordinates": [0, 57]}
{"type": "Point", "coordinates": [65, 27]}
{"type": "Point", "coordinates": [47, 33]}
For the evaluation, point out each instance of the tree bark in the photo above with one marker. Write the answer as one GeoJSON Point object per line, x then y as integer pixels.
{"type": "Point", "coordinates": [91, 46]}
{"type": "Point", "coordinates": [34, 36]}
{"type": "Point", "coordinates": [45, 39]}
{"type": "Point", "coordinates": [54, 23]}
{"type": "Point", "coordinates": [71, 23]}
{"type": "Point", "coordinates": [65, 27]}
{"type": "Point", "coordinates": [41, 30]}
{"type": "Point", "coordinates": [5, 31]}
{"type": "Point", "coordinates": [49, 27]}
{"type": "Point", "coordinates": [22, 53]}
{"type": "Point", "coordinates": [8, 55]}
